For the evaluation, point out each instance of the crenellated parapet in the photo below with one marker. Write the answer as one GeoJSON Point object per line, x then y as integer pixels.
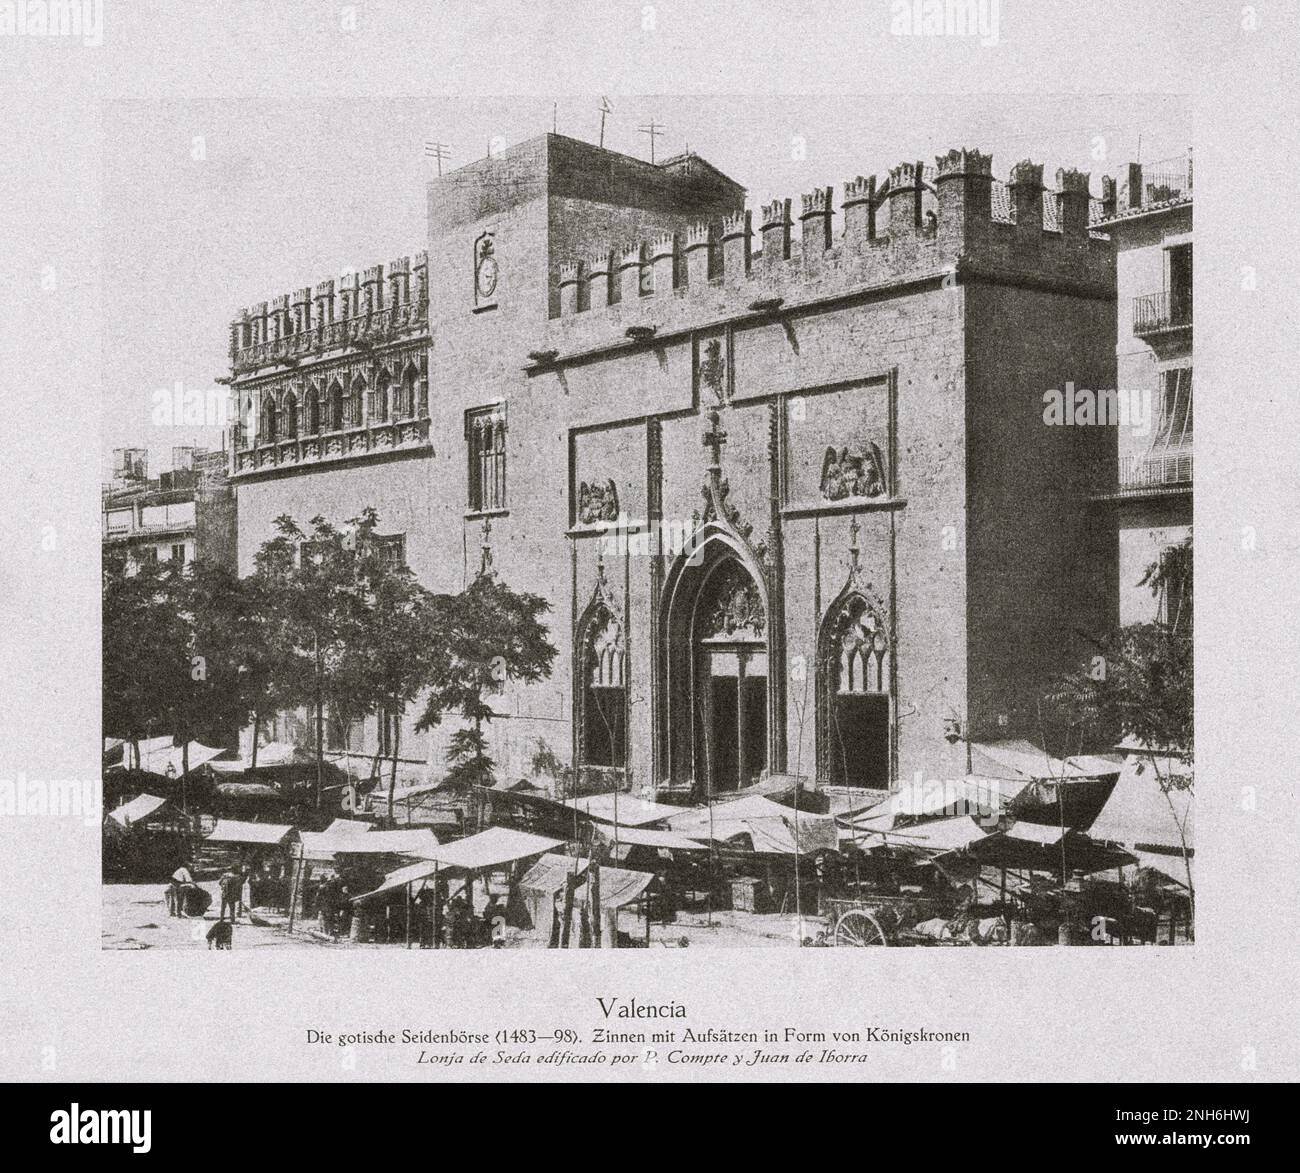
{"type": "Point", "coordinates": [919, 221]}
{"type": "Point", "coordinates": [354, 310]}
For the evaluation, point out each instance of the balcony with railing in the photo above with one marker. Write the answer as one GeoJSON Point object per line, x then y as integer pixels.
{"type": "Point", "coordinates": [1158, 313]}
{"type": "Point", "coordinates": [1162, 474]}
{"type": "Point", "coordinates": [371, 439]}
{"type": "Point", "coordinates": [361, 330]}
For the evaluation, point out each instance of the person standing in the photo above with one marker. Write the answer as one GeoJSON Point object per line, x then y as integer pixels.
{"type": "Point", "coordinates": [181, 882]}
{"type": "Point", "coordinates": [230, 884]}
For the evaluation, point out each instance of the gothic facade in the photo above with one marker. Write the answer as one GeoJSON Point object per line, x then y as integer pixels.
{"type": "Point", "coordinates": [790, 494]}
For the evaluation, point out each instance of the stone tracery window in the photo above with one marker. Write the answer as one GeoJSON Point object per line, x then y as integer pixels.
{"type": "Point", "coordinates": [604, 690]}
{"type": "Point", "coordinates": [289, 417]}
{"type": "Point", "coordinates": [269, 420]}
{"type": "Point", "coordinates": [854, 712]}
{"type": "Point", "coordinates": [485, 431]}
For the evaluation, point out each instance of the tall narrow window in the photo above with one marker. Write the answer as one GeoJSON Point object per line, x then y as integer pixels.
{"type": "Point", "coordinates": [604, 695]}
{"type": "Point", "coordinates": [379, 400]}
{"type": "Point", "coordinates": [269, 420]}
{"type": "Point", "coordinates": [313, 411]}
{"type": "Point", "coordinates": [290, 420]}
{"type": "Point", "coordinates": [853, 691]}
{"type": "Point", "coordinates": [409, 382]}
{"type": "Point", "coordinates": [486, 435]}
{"type": "Point", "coordinates": [352, 416]}
{"type": "Point", "coordinates": [1179, 282]}
{"type": "Point", "coordinates": [336, 408]}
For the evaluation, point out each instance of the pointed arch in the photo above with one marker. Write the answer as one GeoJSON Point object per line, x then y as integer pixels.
{"type": "Point", "coordinates": [289, 416]}
{"type": "Point", "coordinates": [715, 720]}
{"type": "Point", "coordinates": [600, 687]}
{"type": "Point", "coordinates": [337, 405]}
{"type": "Point", "coordinates": [314, 394]}
{"type": "Point", "coordinates": [379, 398]}
{"type": "Point", "coordinates": [855, 712]}
{"type": "Point", "coordinates": [270, 420]}
{"type": "Point", "coordinates": [356, 397]}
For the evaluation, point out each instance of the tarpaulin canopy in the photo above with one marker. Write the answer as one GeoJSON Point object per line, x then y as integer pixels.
{"type": "Point", "coordinates": [620, 886]}
{"type": "Point", "coordinates": [247, 790]}
{"type": "Point", "coordinates": [234, 831]}
{"type": "Point", "coordinates": [934, 835]}
{"type": "Point", "coordinates": [1016, 758]}
{"type": "Point", "coordinates": [550, 873]}
{"type": "Point", "coordinates": [770, 827]}
{"type": "Point", "coordinates": [922, 799]}
{"type": "Point", "coordinates": [1029, 847]}
{"type": "Point", "coordinates": [348, 827]}
{"type": "Point", "coordinates": [1042, 789]}
{"type": "Point", "coordinates": [640, 837]}
{"type": "Point", "coordinates": [1171, 866]}
{"type": "Point", "coordinates": [1139, 812]}
{"type": "Point", "coordinates": [159, 756]}
{"type": "Point", "coordinates": [420, 843]}
{"type": "Point", "coordinates": [137, 810]}
{"type": "Point", "coordinates": [492, 848]}
{"type": "Point", "coordinates": [273, 753]}
{"type": "Point", "coordinates": [625, 809]}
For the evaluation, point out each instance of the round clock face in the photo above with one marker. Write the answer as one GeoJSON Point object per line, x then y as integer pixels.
{"type": "Point", "coordinates": [487, 276]}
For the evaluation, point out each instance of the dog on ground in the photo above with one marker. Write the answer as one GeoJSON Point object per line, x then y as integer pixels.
{"type": "Point", "coordinates": [221, 934]}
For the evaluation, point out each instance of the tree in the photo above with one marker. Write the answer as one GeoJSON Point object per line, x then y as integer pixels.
{"type": "Point", "coordinates": [312, 579]}
{"type": "Point", "coordinates": [492, 635]}
{"type": "Point", "coordinates": [145, 648]}
{"type": "Point", "coordinates": [402, 641]}
{"type": "Point", "coordinates": [1139, 684]}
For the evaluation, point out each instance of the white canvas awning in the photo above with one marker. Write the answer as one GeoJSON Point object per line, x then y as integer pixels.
{"type": "Point", "coordinates": [234, 831]}
{"type": "Point", "coordinates": [137, 810]}
{"type": "Point", "coordinates": [159, 756]}
{"type": "Point", "coordinates": [419, 843]}
{"type": "Point", "coordinates": [1143, 810]}
{"type": "Point", "coordinates": [273, 753]}
{"type": "Point", "coordinates": [640, 837]}
{"type": "Point", "coordinates": [493, 848]}
{"type": "Point", "coordinates": [771, 827]}
{"type": "Point", "coordinates": [624, 809]}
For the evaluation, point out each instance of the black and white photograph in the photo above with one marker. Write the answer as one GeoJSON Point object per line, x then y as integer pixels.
{"type": "Point", "coordinates": [562, 540]}
{"type": "Point", "coordinates": [629, 566]}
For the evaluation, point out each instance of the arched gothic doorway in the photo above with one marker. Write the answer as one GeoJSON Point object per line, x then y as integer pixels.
{"type": "Point", "coordinates": [716, 720]}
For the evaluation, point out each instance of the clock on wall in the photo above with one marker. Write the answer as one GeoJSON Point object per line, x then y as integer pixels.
{"type": "Point", "coordinates": [485, 270]}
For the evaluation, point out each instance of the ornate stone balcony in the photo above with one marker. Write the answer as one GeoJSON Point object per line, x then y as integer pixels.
{"type": "Point", "coordinates": [392, 324]}
{"type": "Point", "coordinates": [374, 439]}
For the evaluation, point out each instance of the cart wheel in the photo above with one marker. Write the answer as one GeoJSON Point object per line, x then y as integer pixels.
{"type": "Point", "coordinates": [859, 928]}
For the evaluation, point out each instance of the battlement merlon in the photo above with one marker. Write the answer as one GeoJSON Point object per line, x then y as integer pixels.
{"type": "Point", "coordinates": [401, 287]}
{"type": "Point", "coordinates": [919, 220]}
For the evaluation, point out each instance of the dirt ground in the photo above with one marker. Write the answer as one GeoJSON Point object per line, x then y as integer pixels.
{"type": "Point", "coordinates": [135, 917]}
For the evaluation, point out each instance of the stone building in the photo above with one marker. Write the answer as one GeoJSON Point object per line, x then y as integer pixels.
{"type": "Point", "coordinates": [1149, 221]}
{"type": "Point", "coordinates": [784, 478]}
{"type": "Point", "coordinates": [185, 513]}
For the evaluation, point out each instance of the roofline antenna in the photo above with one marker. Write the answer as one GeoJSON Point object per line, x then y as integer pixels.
{"type": "Point", "coordinates": [605, 108]}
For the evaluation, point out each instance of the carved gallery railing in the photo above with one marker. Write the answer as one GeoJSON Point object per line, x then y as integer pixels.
{"type": "Point", "coordinates": [376, 328]}
{"type": "Point", "coordinates": [393, 436]}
